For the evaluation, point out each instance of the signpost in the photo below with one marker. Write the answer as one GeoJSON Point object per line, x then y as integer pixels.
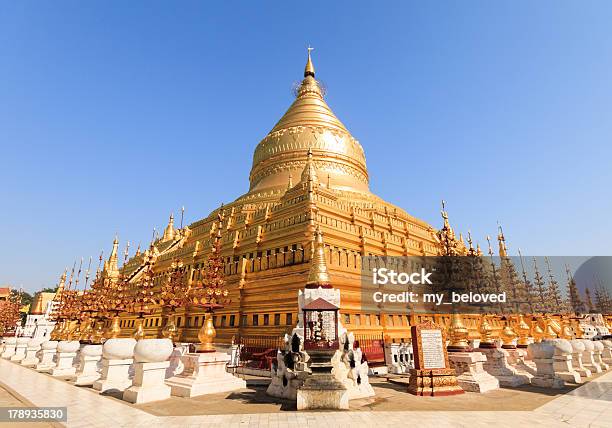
{"type": "Point", "coordinates": [431, 375]}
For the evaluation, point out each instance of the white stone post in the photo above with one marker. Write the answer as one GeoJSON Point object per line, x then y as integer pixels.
{"type": "Point", "coordinates": [47, 355]}
{"type": "Point", "coordinates": [563, 362]}
{"type": "Point", "coordinates": [606, 356]}
{"type": "Point", "coordinates": [543, 354]}
{"type": "Point", "coordinates": [577, 350]}
{"type": "Point", "coordinates": [31, 358]}
{"type": "Point", "coordinates": [88, 371]}
{"type": "Point", "coordinates": [176, 365]}
{"type": "Point", "coordinates": [117, 358]}
{"type": "Point", "coordinates": [151, 361]}
{"type": "Point", "coordinates": [66, 353]}
{"type": "Point", "coordinates": [517, 358]}
{"type": "Point", "coordinates": [598, 355]}
{"type": "Point", "coordinates": [20, 349]}
{"type": "Point", "coordinates": [470, 372]}
{"type": "Point", "coordinates": [9, 348]}
{"type": "Point", "coordinates": [588, 359]}
{"type": "Point", "coordinates": [498, 366]}
{"type": "Point", "coordinates": [204, 373]}
{"type": "Point", "coordinates": [392, 354]}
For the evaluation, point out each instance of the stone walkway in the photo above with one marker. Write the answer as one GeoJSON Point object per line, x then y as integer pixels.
{"type": "Point", "coordinates": [587, 406]}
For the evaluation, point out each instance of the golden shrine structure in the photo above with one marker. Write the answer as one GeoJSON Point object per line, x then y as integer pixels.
{"type": "Point", "coordinates": [308, 172]}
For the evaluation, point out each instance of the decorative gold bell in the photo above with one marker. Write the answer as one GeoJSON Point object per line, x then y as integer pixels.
{"type": "Point", "coordinates": [523, 333]}
{"type": "Point", "coordinates": [507, 335]}
{"type": "Point", "coordinates": [207, 335]}
{"type": "Point", "coordinates": [486, 337]}
{"type": "Point", "coordinates": [458, 335]}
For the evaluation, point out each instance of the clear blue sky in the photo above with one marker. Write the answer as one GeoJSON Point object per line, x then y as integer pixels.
{"type": "Point", "coordinates": [113, 114]}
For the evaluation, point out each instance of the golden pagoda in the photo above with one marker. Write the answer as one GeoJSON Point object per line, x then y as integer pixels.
{"type": "Point", "coordinates": [309, 170]}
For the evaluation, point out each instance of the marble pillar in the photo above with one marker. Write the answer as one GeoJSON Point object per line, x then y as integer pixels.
{"type": "Point", "coordinates": [588, 357]}
{"type": "Point", "coordinates": [65, 358]}
{"type": "Point", "coordinates": [543, 354]}
{"type": "Point", "coordinates": [20, 349]}
{"type": "Point", "coordinates": [598, 355]}
{"type": "Point", "coordinates": [606, 356]}
{"type": "Point", "coordinates": [562, 362]}
{"type": "Point", "coordinates": [150, 364]}
{"type": "Point", "coordinates": [470, 372]}
{"type": "Point", "coordinates": [204, 373]}
{"type": "Point", "coordinates": [498, 366]}
{"type": "Point", "coordinates": [117, 358]}
{"type": "Point", "coordinates": [31, 358]}
{"type": "Point", "coordinates": [89, 361]}
{"type": "Point", "coordinates": [9, 347]}
{"type": "Point", "coordinates": [47, 356]}
{"type": "Point", "coordinates": [577, 350]}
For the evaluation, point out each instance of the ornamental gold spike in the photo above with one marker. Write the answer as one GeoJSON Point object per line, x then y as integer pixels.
{"type": "Point", "coordinates": [318, 275]}
{"type": "Point", "coordinates": [309, 70]}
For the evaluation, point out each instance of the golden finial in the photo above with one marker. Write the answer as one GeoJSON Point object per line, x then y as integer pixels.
{"type": "Point", "coordinates": [318, 275]}
{"type": "Point", "coordinates": [310, 173]}
{"type": "Point", "coordinates": [87, 272]}
{"type": "Point", "coordinates": [485, 330]}
{"type": "Point", "coordinates": [502, 242]}
{"type": "Point", "coordinates": [507, 335]}
{"type": "Point", "coordinates": [309, 70]}
{"type": "Point", "coordinates": [471, 250]}
{"type": "Point", "coordinates": [126, 253]}
{"type": "Point", "coordinates": [458, 334]}
{"type": "Point", "coordinates": [523, 331]}
{"type": "Point", "coordinates": [290, 185]}
{"type": "Point", "coordinates": [169, 230]}
{"type": "Point", "coordinates": [62, 282]}
{"type": "Point", "coordinates": [112, 260]}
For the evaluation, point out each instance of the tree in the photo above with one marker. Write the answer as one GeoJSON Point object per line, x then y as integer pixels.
{"type": "Point", "coordinates": [575, 302]}
{"type": "Point", "coordinates": [26, 298]}
{"type": "Point", "coordinates": [538, 281]}
{"type": "Point", "coordinates": [602, 299]}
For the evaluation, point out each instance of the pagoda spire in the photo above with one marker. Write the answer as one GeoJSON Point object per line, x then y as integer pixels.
{"type": "Point", "coordinates": [62, 282]}
{"type": "Point", "coordinates": [503, 250]}
{"type": "Point", "coordinates": [471, 250]}
{"type": "Point", "coordinates": [113, 258]}
{"type": "Point", "coordinates": [169, 230]}
{"type": "Point", "coordinates": [309, 70]}
{"type": "Point", "coordinates": [318, 275]}
{"type": "Point", "coordinates": [309, 174]}
{"type": "Point", "coordinates": [589, 301]}
{"type": "Point", "coordinates": [446, 235]}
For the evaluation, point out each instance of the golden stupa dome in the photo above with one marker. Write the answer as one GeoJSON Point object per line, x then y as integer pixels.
{"type": "Point", "coordinates": [309, 124]}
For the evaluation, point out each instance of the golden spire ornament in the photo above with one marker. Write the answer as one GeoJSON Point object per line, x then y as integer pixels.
{"type": "Point", "coordinates": [210, 293]}
{"type": "Point", "coordinates": [523, 330]}
{"type": "Point", "coordinates": [536, 331]}
{"type": "Point", "coordinates": [174, 294]}
{"type": "Point", "coordinates": [458, 334]}
{"type": "Point", "coordinates": [486, 338]}
{"type": "Point", "coordinates": [507, 335]}
{"type": "Point", "coordinates": [318, 276]}
{"type": "Point", "coordinates": [309, 70]}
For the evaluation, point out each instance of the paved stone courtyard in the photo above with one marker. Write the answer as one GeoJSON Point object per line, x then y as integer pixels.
{"type": "Point", "coordinates": [589, 405]}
